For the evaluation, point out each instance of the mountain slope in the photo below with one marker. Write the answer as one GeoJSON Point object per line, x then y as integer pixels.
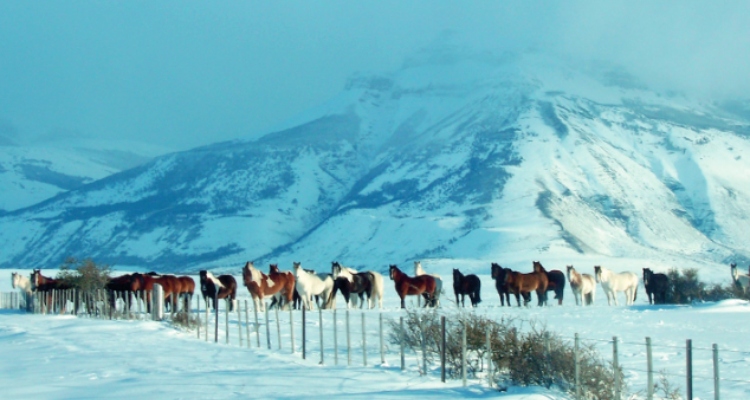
{"type": "Point", "coordinates": [453, 157]}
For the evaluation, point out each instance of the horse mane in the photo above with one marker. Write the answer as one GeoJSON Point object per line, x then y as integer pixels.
{"type": "Point", "coordinates": [255, 274]}
{"type": "Point", "coordinates": [214, 279]}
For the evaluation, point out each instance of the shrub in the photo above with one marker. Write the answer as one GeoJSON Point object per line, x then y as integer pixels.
{"type": "Point", "coordinates": [531, 357]}
{"type": "Point", "coordinates": [84, 275]}
{"type": "Point", "coordinates": [685, 287]}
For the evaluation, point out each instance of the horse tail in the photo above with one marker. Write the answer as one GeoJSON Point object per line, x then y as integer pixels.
{"type": "Point", "coordinates": [635, 293]}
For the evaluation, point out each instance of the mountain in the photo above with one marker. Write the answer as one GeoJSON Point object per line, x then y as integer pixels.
{"type": "Point", "coordinates": [458, 159]}
{"type": "Point", "coordinates": [31, 173]}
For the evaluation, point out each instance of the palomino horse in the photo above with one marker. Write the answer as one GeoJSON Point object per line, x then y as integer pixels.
{"type": "Point", "coordinates": [359, 284]}
{"type": "Point", "coordinates": [466, 285]}
{"type": "Point", "coordinates": [555, 281]}
{"type": "Point", "coordinates": [656, 285]}
{"type": "Point", "coordinates": [308, 285]}
{"type": "Point", "coordinates": [741, 280]}
{"type": "Point", "coordinates": [582, 285]}
{"type": "Point", "coordinates": [23, 283]}
{"type": "Point", "coordinates": [262, 286]}
{"type": "Point", "coordinates": [498, 274]}
{"type": "Point", "coordinates": [426, 285]}
{"type": "Point", "coordinates": [418, 271]}
{"type": "Point", "coordinates": [612, 283]}
{"type": "Point", "coordinates": [218, 287]}
{"type": "Point", "coordinates": [523, 284]}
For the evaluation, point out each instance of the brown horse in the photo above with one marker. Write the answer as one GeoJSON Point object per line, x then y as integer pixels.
{"type": "Point", "coordinates": [128, 283]}
{"type": "Point", "coordinates": [406, 286]}
{"type": "Point", "coordinates": [555, 281]}
{"type": "Point", "coordinates": [261, 285]}
{"type": "Point", "coordinates": [218, 287]}
{"type": "Point", "coordinates": [498, 274]}
{"type": "Point", "coordinates": [278, 300]}
{"type": "Point", "coordinates": [43, 284]}
{"type": "Point", "coordinates": [523, 284]}
{"type": "Point", "coordinates": [187, 288]}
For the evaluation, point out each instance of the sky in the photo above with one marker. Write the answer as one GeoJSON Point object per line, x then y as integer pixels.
{"type": "Point", "coordinates": [181, 74]}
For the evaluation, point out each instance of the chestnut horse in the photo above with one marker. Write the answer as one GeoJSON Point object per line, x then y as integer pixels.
{"type": "Point", "coordinates": [261, 285]}
{"type": "Point", "coordinates": [466, 284]}
{"type": "Point", "coordinates": [406, 285]}
{"type": "Point", "coordinates": [523, 284]}
{"type": "Point", "coordinates": [128, 283]}
{"type": "Point", "coordinates": [498, 274]}
{"type": "Point", "coordinates": [218, 287]}
{"type": "Point", "coordinates": [46, 285]}
{"type": "Point", "coordinates": [656, 286]}
{"type": "Point", "coordinates": [555, 281]}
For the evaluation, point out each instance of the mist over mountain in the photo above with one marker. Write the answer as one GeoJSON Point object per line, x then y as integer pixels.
{"type": "Point", "coordinates": [457, 158]}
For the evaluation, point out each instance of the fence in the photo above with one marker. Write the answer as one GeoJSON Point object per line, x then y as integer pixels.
{"type": "Point", "coordinates": [366, 337]}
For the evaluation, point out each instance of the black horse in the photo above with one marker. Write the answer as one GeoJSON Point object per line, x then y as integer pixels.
{"type": "Point", "coordinates": [218, 287]}
{"type": "Point", "coordinates": [498, 274]}
{"type": "Point", "coordinates": [466, 285]}
{"type": "Point", "coordinates": [656, 286]}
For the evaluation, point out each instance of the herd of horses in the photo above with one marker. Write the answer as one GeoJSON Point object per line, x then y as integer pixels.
{"type": "Point", "coordinates": [298, 287]}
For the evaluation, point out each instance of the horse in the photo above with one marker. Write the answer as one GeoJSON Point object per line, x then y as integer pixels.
{"type": "Point", "coordinates": [612, 283]}
{"type": "Point", "coordinates": [426, 285]}
{"type": "Point", "coordinates": [656, 285]}
{"type": "Point", "coordinates": [172, 287]}
{"type": "Point", "coordinates": [43, 284]}
{"type": "Point", "coordinates": [418, 271]}
{"type": "Point", "coordinates": [498, 274]}
{"type": "Point", "coordinates": [23, 283]}
{"type": "Point", "coordinates": [128, 283]}
{"type": "Point", "coordinates": [375, 292]}
{"type": "Point", "coordinates": [308, 284]}
{"type": "Point", "coordinates": [359, 284]}
{"type": "Point", "coordinates": [278, 300]}
{"type": "Point", "coordinates": [218, 287]}
{"type": "Point", "coordinates": [555, 281]}
{"type": "Point", "coordinates": [742, 281]}
{"type": "Point", "coordinates": [261, 285]}
{"type": "Point", "coordinates": [582, 285]}
{"type": "Point", "coordinates": [523, 284]}
{"type": "Point", "coordinates": [187, 288]}
{"type": "Point", "coordinates": [466, 285]}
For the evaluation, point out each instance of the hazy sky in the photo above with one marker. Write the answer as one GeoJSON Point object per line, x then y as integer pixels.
{"type": "Point", "coordinates": [185, 73]}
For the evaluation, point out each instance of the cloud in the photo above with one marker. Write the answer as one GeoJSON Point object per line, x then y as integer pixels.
{"type": "Point", "coordinates": [188, 73]}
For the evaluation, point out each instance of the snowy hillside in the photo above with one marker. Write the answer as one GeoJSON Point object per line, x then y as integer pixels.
{"type": "Point", "coordinates": [31, 173]}
{"type": "Point", "coordinates": [456, 159]}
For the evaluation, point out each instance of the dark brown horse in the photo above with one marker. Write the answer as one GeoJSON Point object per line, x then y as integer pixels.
{"type": "Point", "coordinates": [408, 286]}
{"type": "Point", "coordinates": [555, 281]}
{"type": "Point", "coordinates": [360, 283]}
{"type": "Point", "coordinates": [261, 285]}
{"type": "Point", "coordinates": [466, 285]}
{"type": "Point", "coordinates": [498, 274]}
{"type": "Point", "coordinates": [45, 285]}
{"type": "Point", "coordinates": [218, 287]}
{"type": "Point", "coordinates": [656, 286]}
{"type": "Point", "coordinates": [128, 283]}
{"type": "Point", "coordinates": [523, 284]}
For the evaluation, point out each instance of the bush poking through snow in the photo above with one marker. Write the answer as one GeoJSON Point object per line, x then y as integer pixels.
{"type": "Point", "coordinates": [534, 356]}
{"type": "Point", "coordinates": [84, 275]}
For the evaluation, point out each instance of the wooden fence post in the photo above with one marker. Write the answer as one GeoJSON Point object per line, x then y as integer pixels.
{"type": "Point", "coordinates": [227, 304]}
{"type": "Point", "coordinates": [489, 357]}
{"type": "Point", "coordinates": [278, 325]}
{"type": "Point", "coordinates": [401, 340]}
{"type": "Point", "coordinates": [291, 326]}
{"type": "Point", "coordinates": [463, 354]}
{"type": "Point", "coordinates": [335, 339]}
{"type": "Point", "coordinates": [423, 346]}
{"type": "Point", "coordinates": [257, 325]}
{"type": "Point", "coordinates": [649, 371]}
{"type": "Point", "coordinates": [304, 332]}
{"type": "Point", "coordinates": [442, 348]}
{"type": "Point", "coordinates": [715, 349]}
{"type": "Point", "coordinates": [217, 305]}
{"type": "Point", "coordinates": [268, 328]}
{"type": "Point", "coordinates": [364, 341]}
{"type": "Point", "coordinates": [348, 341]}
{"type": "Point", "coordinates": [577, 367]}
{"type": "Point", "coordinates": [616, 367]}
{"type": "Point", "coordinates": [247, 325]}
{"type": "Point", "coordinates": [205, 300]}
{"type": "Point", "coordinates": [689, 368]}
{"type": "Point", "coordinates": [320, 323]}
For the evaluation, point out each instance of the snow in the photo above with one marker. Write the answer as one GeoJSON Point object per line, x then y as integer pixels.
{"type": "Point", "coordinates": [62, 356]}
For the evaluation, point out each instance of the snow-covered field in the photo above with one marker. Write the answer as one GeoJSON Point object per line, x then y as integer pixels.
{"type": "Point", "coordinates": [69, 357]}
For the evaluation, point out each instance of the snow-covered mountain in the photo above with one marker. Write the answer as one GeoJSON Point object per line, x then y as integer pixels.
{"type": "Point", "coordinates": [31, 173]}
{"type": "Point", "coordinates": [456, 158]}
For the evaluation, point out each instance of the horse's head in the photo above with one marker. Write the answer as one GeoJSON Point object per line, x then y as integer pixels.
{"type": "Point", "coordinates": [336, 269]}
{"type": "Point", "coordinates": [496, 268]}
{"type": "Point", "coordinates": [647, 275]}
{"type": "Point", "coordinates": [456, 275]}
{"type": "Point", "coordinates": [296, 266]}
{"type": "Point", "coordinates": [35, 278]}
{"type": "Point", "coordinates": [273, 268]}
{"type": "Point", "coordinates": [537, 266]}
{"type": "Point", "coordinates": [393, 271]}
{"type": "Point", "coordinates": [598, 273]}
{"type": "Point", "coordinates": [14, 279]}
{"type": "Point", "coordinates": [418, 268]}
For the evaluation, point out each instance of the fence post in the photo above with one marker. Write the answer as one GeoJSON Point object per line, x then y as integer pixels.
{"type": "Point", "coordinates": [227, 305]}
{"type": "Point", "coordinates": [247, 324]}
{"type": "Point", "coordinates": [463, 354]}
{"type": "Point", "coordinates": [382, 347]}
{"type": "Point", "coordinates": [205, 300]}
{"type": "Point", "coordinates": [489, 357]}
{"type": "Point", "coordinates": [239, 321]}
{"type": "Point", "coordinates": [268, 329]}
{"type": "Point", "coordinates": [442, 348]}
{"type": "Point", "coordinates": [364, 341]}
{"type": "Point", "coordinates": [348, 341]}
{"type": "Point", "coordinates": [689, 370]}
{"type": "Point", "coordinates": [401, 337]}
{"type": "Point", "coordinates": [616, 367]}
{"type": "Point", "coordinates": [197, 314]}
{"type": "Point", "coordinates": [278, 324]}
{"type": "Point", "coordinates": [291, 326]}
{"type": "Point", "coordinates": [577, 367]}
{"type": "Point", "coordinates": [320, 322]}
{"type": "Point", "coordinates": [423, 346]}
{"type": "Point", "coordinates": [257, 325]}
{"type": "Point", "coordinates": [335, 340]}
{"type": "Point", "coordinates": [304, 332]}
{"type": "Point", "coordinates": [717, 396]}
{"type": "Point", "coordinates": [649, 371]}
{"type": "Point", "coordinates": [216, 317]}
{"type": "Point", "coordinates": [158, 306]}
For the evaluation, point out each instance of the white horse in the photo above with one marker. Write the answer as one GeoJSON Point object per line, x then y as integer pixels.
{"type": "Point", "coordinates": [309, 285]}
{"type": "Point", "coordinates": [438, 280]}
{"type": "Point", "coordinates": [741, 280]}
{"type": "Point", "coordinates": [583, 287]}
{"type": "Point", "coordinates": [21, 282]}
{"type": "Point", "coordinates": [612, 283]}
